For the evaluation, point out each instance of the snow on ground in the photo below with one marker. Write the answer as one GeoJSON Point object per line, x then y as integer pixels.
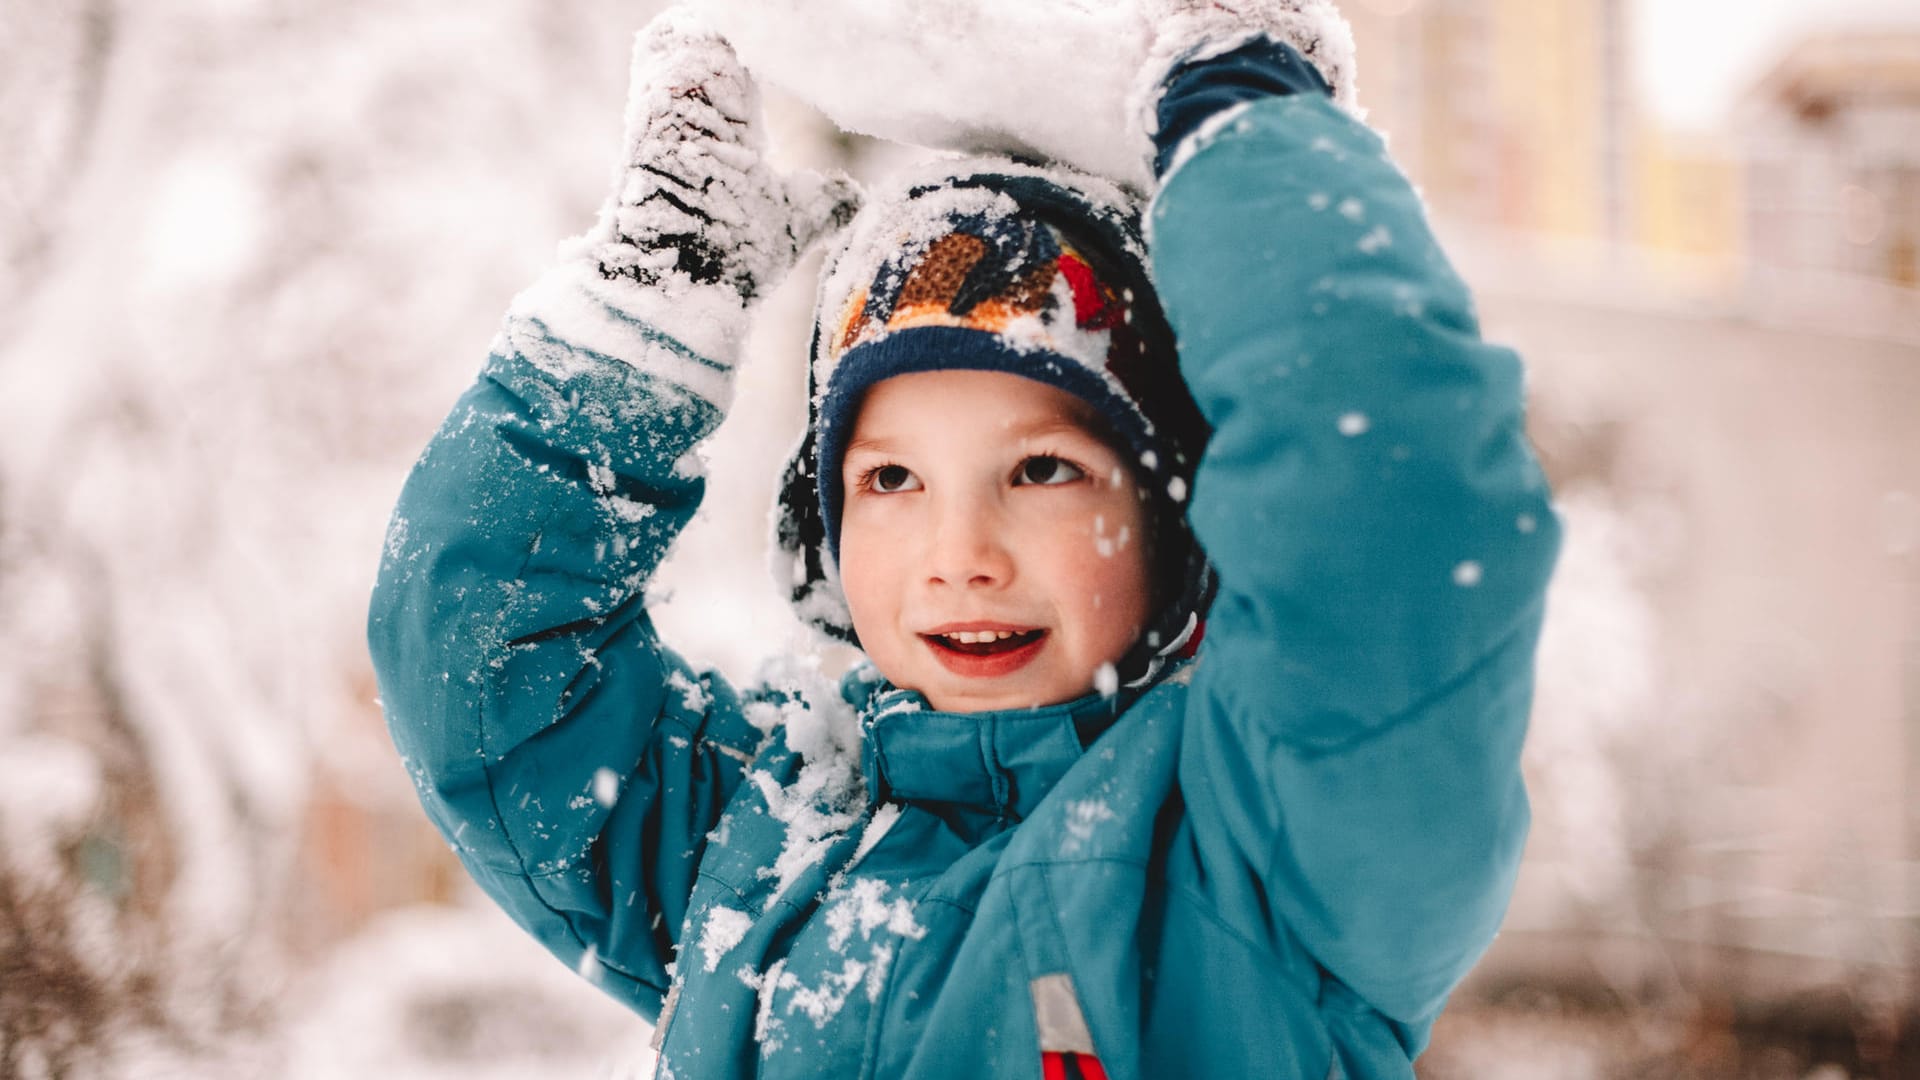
{"type": "Point", "coordinates": [433, 992]}
{"type": "Point", "coordinates": [457, 993]}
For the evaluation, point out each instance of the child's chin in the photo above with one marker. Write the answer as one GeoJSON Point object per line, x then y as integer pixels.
{"type": "Point", "coordinates": [997, 699]}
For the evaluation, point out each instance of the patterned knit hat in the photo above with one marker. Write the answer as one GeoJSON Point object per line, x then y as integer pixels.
{"type": "Point", "coordinates": [988, 264]}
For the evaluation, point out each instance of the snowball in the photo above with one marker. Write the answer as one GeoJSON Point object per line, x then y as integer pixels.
{"type": "Point", "coordinates": [1467, 574]}
{"type": "Point", "coordinates": [1354, 423]}
{"type": "Point", "coordinates": [981, 76]}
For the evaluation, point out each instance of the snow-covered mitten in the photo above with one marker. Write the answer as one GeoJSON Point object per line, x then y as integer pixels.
{"type": "Point", "coordinates": [697, 202]}
{"type": "Point", "coordinates": [1188, 32]}
{"type": "Point", "coordinates": [698, 225]}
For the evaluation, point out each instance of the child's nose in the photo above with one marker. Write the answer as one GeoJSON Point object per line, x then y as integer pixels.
{"type": "Point", "coordinates": [969, 546]}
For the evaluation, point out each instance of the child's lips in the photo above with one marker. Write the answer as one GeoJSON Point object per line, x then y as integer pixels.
{"type": "Point", "coordinates": [985, 651]}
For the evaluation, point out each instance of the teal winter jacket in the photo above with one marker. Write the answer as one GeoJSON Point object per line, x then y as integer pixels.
{"type": "Point", "coordinates": [1275, 861]}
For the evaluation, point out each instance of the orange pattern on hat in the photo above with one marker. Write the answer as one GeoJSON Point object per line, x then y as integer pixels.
{"type": "Point", "coordinates": [927, 296]}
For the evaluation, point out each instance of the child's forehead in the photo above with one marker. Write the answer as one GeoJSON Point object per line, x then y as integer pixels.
{"type": "Point", "coordinates": [966, 399]}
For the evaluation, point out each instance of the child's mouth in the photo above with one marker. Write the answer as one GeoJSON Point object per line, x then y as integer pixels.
{"type": "Point", "coordinates": [985, 642]}
{"type": "Point", "coordinates": [985, 653]}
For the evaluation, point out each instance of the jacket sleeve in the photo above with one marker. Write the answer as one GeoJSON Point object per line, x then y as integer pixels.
{"type": "Point", "coordinates": [574, 764]}
{"type": "Point", "coordinates": [1383, 539]}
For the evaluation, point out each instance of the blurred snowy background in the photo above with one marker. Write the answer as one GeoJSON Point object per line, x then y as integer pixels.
{"type": "Point", "coordinates": [250, 251]}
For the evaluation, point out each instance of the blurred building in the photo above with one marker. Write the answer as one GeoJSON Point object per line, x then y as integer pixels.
{"type": "Point", "coordinates": [1518, 115]}
{"type": "Point", "coordinates": [1689, 210]}
{"type": "Point", "coordinates": [1508, 113]}
{"type": "Point", "coordinates": [1832, 147]}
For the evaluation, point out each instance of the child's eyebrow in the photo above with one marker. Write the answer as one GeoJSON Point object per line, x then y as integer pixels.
{"type": "Point", "coordinates": [868, 443]}
{"type": "Point", "coordinates": [1052, 425]}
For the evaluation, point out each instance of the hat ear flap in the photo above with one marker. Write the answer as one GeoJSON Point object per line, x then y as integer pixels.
{"type": "Point", "coordinates": [800, 561]}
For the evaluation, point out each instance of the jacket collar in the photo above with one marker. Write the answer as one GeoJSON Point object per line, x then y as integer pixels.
{"type": "Point", "coordinates": [1002, 763]}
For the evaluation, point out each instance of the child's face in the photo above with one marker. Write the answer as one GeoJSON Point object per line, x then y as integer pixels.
{"type": "Point", "coordinates": [985, 504]}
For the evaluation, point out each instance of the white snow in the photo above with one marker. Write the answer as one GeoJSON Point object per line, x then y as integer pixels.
{"type": "Point", "coordinates": [1467, 574]}
{"type": "Point", "coordinates": [817, 809]}
{"type": "Point", "coordinates": [988, 75]}
{"type": "Point", "coordinates": [828, 797]}
{"type": "Point", "coordinates": [693, 696]}
{"type": "Point", "coordinates": [981, 77]}
{"type": "Point", "coordinates": [1378, 239]}
{"type": "Point", "coordinates": [767, 1027]}
{"type": "Point", "coordinates": [1083, 817]}
{"type": "Point", "coordinates": [877, 828]}
{"type": "Point", "coordinates": [1354, 423]}
{"type": "Point", "coordinates": [822, 1002]}
{"type": "Point", "coordinates": [864, 908]}
{"type": "Point", "coordinates": [724, 928]}
{"type": "Point", "coordinates": [606, 786]}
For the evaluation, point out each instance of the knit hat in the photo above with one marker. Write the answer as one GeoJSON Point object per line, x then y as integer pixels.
{"type": "Point", "coordinates": [988, 264]}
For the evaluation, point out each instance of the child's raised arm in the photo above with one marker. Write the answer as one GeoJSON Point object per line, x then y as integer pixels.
{"type": "Point", "coordinates": [574, 763]}
{"type": "Point", "coordinates": [1382, 533]}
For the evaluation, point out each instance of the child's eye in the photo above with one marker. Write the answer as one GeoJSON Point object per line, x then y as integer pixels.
{"type": "Point", "coordinates": [1047, 470]}
{"type": "Point", "coordinates": [890, 479]}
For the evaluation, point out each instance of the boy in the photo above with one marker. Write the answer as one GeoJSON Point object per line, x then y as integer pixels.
{"type": "Point", "coordinates": [1056, 827]}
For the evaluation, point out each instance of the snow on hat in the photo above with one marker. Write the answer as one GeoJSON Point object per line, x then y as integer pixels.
{"type": "Point", "coordinates": [988, 264]}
